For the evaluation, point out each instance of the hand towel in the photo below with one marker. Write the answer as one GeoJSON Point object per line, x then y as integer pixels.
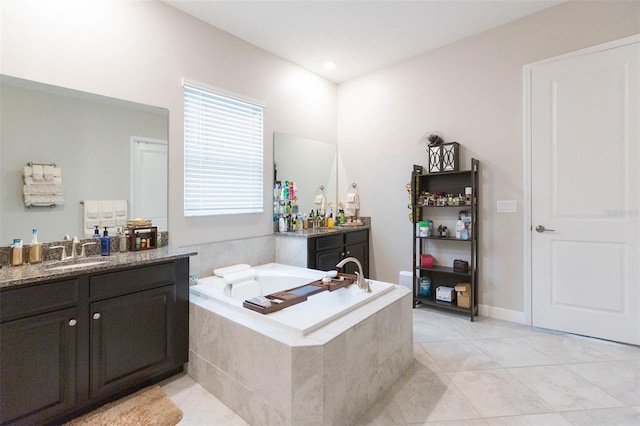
{"type": "Point", "coordinates": [27, 171]}
{"type": "Point", "coordinates": [221, 272]}
{"type": "Point", "coordinates": [120, 208]}
{"type": "Point", "coordinates": [106, 209]}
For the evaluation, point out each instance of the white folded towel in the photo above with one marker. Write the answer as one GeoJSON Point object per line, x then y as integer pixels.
{"type": "Point", "coordinates": [38, 172]}
{"type": "Point", "coordinates": [40, 188]}
{"type": "Point", "coordinates": [352, 205]}
{"type": "Point", "coordinates": [246, 290]}
{"type": "Point", "coordinates": [221, 272]}
{"type": "Point", "coordinates": [57, 172]}
{"type": "Point", "coordinates": [27, 171]}
{"type": "Point", "coordinates": [92, 209]}
{"type": "Point", "coordinates": [120, 208]}
{"type": "Point", "coordinates": [31, 181]}
{"type": "Point", "coordinates": [47, 172]}
{"type": "Point", "coordinates": [235, 278]}
{"type": "Point", "coordinates": [106, 209]}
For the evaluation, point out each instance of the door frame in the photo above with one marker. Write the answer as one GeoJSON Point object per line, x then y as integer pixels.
{"type": "Point", "coordinates": [132, 163]}
{"type": "Point", "coordinates": [527, 166]}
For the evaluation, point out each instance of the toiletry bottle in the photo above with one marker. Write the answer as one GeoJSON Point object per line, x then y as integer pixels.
{"type": "Point", "coordinates": [96, 233]}
{"type": "Point", "coordinates": [122, 242]}
{"type": "Point", "coordinates": [105, 243]}
{"type": "Point", "coordinates": [35, 249]}
{"type": "Point", "coordinates": [459, 228]}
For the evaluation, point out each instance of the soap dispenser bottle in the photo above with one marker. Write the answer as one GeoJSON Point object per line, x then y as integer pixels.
{"type": "Point", "coordinates": [96, 232]}
{"type": "Point", "coordinates": [105, 243]}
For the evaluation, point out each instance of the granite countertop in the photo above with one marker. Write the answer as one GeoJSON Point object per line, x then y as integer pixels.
{"type": "Point", "coordinates": [313, 233]}
{"type": "Point", "coordinates": [16, 275]}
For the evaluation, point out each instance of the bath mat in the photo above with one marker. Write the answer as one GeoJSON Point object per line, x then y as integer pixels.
{"type": "Point", "coordinates": [147, 407]}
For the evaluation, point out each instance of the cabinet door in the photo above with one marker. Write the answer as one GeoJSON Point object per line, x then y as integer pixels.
{"type": "Point", "coordinates": [326, 260]}
{"type": "Point", "coordinates": [361, 252]}
{"type": "Point", "coordinates": [131, 339]}
{"type": "Point", "coordinates": [38, 367]}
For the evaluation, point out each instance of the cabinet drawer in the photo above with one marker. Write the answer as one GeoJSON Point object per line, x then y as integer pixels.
{"type": "Point", "coordinates": [30, 300]}
{"type": "Point", "coordinates": [130, 281]}
{"type": "Point", "coordinates": [356, 237]}
{"type": "Point", "coordinates": [328, 242]}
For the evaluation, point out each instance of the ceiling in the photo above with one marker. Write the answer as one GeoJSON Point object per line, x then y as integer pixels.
{"type": "Point", "coordinates": [357, 35]}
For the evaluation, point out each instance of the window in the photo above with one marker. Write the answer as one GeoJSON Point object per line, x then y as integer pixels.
{"type": "Point", "coordinates": [223, 154]}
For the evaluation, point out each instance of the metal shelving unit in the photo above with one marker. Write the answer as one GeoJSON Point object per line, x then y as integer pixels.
{"type": "Point", "coordinates": [453, 183]}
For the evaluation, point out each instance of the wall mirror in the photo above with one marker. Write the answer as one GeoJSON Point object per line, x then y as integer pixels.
{"type": "Point", "coordinates": [310, 164]}
{"type": "Point", "coordinates": [106, 149]}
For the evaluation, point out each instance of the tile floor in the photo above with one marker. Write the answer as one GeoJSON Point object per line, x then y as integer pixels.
{"type": "Point", "coordinates": [488, 372]}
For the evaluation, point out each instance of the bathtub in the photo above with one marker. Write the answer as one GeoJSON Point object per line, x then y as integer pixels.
{"type": "Point", "coordinates": [306, 317]}
{"type": "Point", "coordinates": [325, 361]}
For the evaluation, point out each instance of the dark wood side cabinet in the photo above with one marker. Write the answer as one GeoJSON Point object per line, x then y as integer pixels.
{"type": "Point", "coordinates": [68, 346]}
{"type": "Point", "coordinates": [325, 251]}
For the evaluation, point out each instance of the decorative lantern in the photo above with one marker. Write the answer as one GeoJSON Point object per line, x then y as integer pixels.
{"type": "Point", "coordinates": [444, 157]}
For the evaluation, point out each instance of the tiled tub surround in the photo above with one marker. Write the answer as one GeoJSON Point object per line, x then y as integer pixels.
{"type": "Point", "coordinates": [271, 376]}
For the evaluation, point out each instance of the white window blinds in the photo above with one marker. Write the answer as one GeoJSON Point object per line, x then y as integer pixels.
{"type": "Point", "coordinates": [223, 154]}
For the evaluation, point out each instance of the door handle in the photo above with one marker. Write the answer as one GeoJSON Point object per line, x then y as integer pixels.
{"type": "Point", "coordinates": [541, 229]}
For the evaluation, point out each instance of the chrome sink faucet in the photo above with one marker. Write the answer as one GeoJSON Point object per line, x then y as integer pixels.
{"type": "Point", "coordinates": [63, 252]}
{"type": "Point", "coordinates": [317, 221]}
{"type": "Point", "coordinates": [361, 280]}
{"type": "Point", "coordinates": [74, 245]}
{"type": "Point", "coordinates": [83, 252]}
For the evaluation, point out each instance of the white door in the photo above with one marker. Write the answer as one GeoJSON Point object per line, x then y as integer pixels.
{"type": "Point", "coordinates": [585, 191]}
{"type": "Point", "coordinates": [149, 180]}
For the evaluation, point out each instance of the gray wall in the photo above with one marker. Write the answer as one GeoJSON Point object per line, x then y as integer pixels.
{"type": "Point", "coordinates": [88, 140]}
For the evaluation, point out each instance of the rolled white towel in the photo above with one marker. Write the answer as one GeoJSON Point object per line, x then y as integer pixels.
{"type": "Point", "coordinates": [246, 290]}
{"type": "Point", "coordinates": [38, 172]}
{"type": "Point", "coordinates": [47, 172]}
{"type": "Point", "coordinates": [221, 272]}
{"type": "Point", "coordinates": [240, 276]}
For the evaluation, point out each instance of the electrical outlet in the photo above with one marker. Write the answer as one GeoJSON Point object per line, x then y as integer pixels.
{"type": "Point", "coordinates": [506, 206]}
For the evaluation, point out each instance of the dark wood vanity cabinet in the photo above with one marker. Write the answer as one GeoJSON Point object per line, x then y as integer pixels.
{"type": "Point", "coordinates": [116, 332]}
{"type": "Point", "coordinates": [324, 252]}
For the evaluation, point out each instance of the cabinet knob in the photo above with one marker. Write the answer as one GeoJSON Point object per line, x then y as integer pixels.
{"type": "Point", "coordinates": [348, 253]}
{"type": "Point", "coordinates": [342, 254]}
{"type": "Point", "coordinates": [96, 315]}
{"type": "Point", "coordinates": [72, 322]}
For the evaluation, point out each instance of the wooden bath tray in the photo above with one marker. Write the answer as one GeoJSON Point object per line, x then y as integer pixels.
{"type": "Point", "coordinates": [293, 296]}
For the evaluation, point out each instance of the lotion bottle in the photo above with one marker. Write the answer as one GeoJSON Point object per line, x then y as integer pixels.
{"type": "Point", "coordinates": [105, 243]}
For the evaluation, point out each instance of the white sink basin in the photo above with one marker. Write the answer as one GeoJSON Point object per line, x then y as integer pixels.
{"type": "Point", "coordinates": [80, 265]}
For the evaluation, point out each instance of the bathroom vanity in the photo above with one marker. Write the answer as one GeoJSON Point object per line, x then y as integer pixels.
{"type": "Point", "coordinates": [323, 248]}
{"type": "Point", "coordinates": [71, 340]}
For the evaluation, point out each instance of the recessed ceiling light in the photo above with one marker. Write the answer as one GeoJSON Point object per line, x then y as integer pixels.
{"type": "Point", "coordinates": [329, 65]}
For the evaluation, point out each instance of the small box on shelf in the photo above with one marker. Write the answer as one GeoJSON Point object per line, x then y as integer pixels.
{"type": "Point", "coordinates": [143, 238]}
{"type": "Point", "coordinates": [463, 294]}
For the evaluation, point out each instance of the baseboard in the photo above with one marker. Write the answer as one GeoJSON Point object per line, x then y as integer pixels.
{"type": "Point", "coordinates": [502, 314]}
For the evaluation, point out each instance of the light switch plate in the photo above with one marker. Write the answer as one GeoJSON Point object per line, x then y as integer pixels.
{"type": "Point", "coordinates": [506, 206]}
